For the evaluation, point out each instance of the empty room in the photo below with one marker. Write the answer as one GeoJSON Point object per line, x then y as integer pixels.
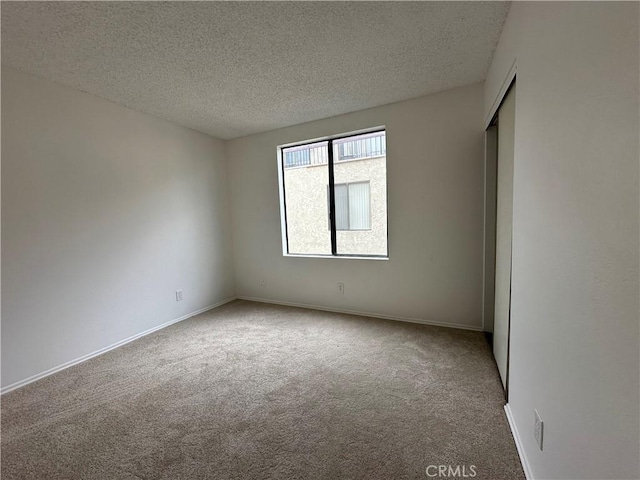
{"type": "Point", "coordinates": [320, 240]}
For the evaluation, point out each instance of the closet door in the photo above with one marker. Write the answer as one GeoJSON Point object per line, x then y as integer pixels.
{"type": "Point", "coordinates": [504, 220]}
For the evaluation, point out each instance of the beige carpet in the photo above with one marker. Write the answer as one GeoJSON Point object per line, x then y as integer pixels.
{"type": "Point", "coordinates": [256, 391]}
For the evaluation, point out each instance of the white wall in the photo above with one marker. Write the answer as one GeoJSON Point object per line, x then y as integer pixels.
{"type": "Point", "coordinates": [575, 304]}
{"type": "Point", "coordinates": [105, 213]}
{"type": "Point", "coordinates": [435, 178]}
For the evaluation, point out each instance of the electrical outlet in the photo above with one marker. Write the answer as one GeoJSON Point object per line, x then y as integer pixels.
{"type": "Point", "coordinates": [263, 282]}
{"type": "Point", "coordinates": [341, 288]}
{"type": "Point", "coordinates": [179, 296]}
{"type": "Point", "coordinates": [538, 429]}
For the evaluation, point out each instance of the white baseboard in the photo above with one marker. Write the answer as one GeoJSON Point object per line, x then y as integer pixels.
{"type": "Point", "coordinates": [84, 358]}
{"type": "Point", "coordinates": [518, 441]}
{"type": "Point", "coordinates": [362, 314]}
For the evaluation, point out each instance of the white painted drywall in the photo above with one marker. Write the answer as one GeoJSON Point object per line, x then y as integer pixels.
{"type": "Point", "coordinates": [435, 201]}
{"type": "Point", "coordinates": [574, 352]}
{"type": "Point", "coordinates": [105, 213]}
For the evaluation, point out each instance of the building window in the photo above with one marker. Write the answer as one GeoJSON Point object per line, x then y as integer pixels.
{"type": "Point", "coordinates": [348, 175]}
{"type": "Point", "coordinates": [353, 206]}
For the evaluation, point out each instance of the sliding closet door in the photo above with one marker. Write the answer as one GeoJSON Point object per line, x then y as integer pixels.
{"type": "Point", "coordinates": [489, 263]}
{"type": "Point", "coordinates": [504, 218]}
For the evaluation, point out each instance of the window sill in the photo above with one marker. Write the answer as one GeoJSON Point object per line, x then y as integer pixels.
{"type": "Point", "coordinates": [339, 257]}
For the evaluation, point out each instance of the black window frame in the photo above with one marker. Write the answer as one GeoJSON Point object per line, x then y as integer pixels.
{"type": "Point", "coordinates": [332, 199]}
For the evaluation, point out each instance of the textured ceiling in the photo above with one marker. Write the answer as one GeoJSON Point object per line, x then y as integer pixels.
{"type": "Point", "coordinates": [234, 68]}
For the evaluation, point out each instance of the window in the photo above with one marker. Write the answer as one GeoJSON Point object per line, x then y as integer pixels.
{"type": "Point", "coordinates": [353, 208]}
{"type": "Point", "coordinates": [341, 183]}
